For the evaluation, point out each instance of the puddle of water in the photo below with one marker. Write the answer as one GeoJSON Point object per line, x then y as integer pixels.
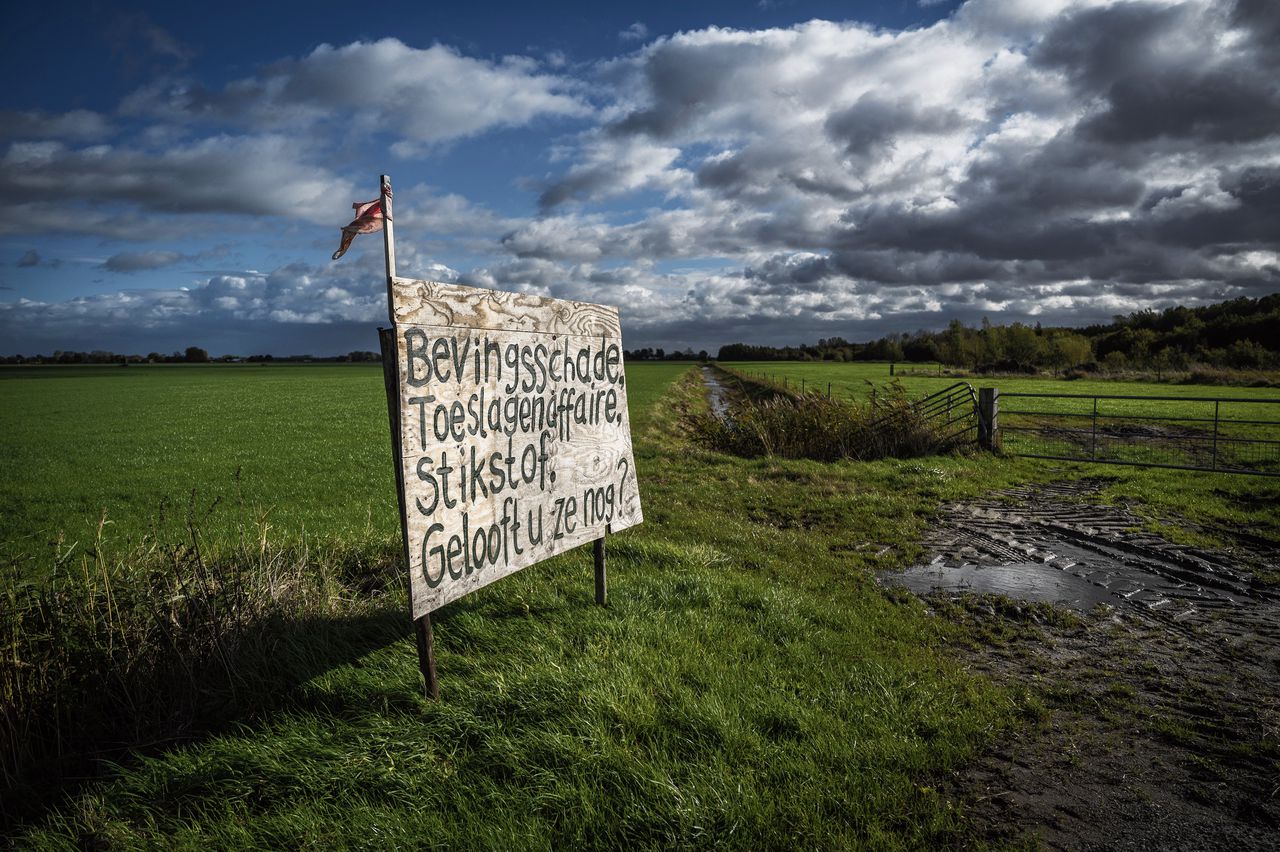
{"type": "Point", "coordinates": [1032, 581]}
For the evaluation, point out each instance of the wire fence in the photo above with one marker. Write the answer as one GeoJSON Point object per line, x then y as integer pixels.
{"type": "Point", "coordinates": [1232, 435]}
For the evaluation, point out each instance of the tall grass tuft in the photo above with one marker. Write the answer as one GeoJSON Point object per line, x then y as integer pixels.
{"type": "Point", "coordinates": [812, 426]}
{"type": "Point", "coordinates": [105, 650]}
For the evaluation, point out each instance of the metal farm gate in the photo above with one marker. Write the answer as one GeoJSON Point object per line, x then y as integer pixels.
{"type": "Point", "coordinates": [1223, 434]}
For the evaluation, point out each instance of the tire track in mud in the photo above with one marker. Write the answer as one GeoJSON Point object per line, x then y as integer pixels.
{"type": "Point", "coordinates": [1163, 721]}
{"type": "Point", "coordinates": [1044, 543]}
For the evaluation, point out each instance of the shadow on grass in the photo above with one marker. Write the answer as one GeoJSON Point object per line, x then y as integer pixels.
{"type": "Point", "coordinates": [272, 659]}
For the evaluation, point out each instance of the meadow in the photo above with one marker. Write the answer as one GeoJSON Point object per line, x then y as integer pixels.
{"type": "Point", "coordinates": [749, 683]}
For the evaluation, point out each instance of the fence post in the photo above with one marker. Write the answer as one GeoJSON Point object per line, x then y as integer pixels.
{"type": "Point", "coordinates": [1093, 441]}
{"type": "Point", "coordinates": [1216, 403]}
{"type": "Point", "coordinates": [988, 425]}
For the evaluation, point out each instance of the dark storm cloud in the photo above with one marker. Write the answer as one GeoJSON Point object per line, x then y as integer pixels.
{"type": "Point", "coordinates": [1260, 19]}
{"type": "Point", "coordinates": [143, 260]}
{"type": "Point", "coordinates": [610, 167]}
{"type": "Point", "coordinates": [31, 259]}
{"type": "Point", "coordinates": [682, 81]}
{"type": "Point", "coordinates": [253, 175]}
{"type": "Point", "coordinates": [33, 124]}
{"type": "Point", "coordinates": [1249, 221]}
{"type": "Point", "coordinates": [1163, 72]}
{"type": "Point", "coordinates": [584, 183]}
{"type": "Point", "coordinates": [872, 123]}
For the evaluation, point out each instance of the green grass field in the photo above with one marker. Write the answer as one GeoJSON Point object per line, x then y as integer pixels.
{"type": "Point", "coordinates": [749, 684]}
{"type": "Point", "coordinates": [309, 444]}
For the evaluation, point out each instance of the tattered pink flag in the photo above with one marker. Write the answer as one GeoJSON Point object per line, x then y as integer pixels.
{"type": "Point", "coordinates": [369, 218]}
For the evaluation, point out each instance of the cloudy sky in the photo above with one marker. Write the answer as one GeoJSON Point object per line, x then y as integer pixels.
{"type": "Point", "coordinates": [767, 172]}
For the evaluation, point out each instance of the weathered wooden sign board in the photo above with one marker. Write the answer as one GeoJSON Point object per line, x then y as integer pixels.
{"type": "Point", "coordinates": [512, 432]}
{"type": "Point", "coordinates": [509, 427]}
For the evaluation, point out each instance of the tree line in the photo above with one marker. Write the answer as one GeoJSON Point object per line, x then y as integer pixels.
{"type": "Point", "coordinates": [1242, 334]}
{"type": "Point", "coordinates": [660, 354]}
{"type": "Point", "coordinates": [192, 355]}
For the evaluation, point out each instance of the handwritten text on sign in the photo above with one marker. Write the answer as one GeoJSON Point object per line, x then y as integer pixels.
{"type": "Point", "coordinates": [515, 444]}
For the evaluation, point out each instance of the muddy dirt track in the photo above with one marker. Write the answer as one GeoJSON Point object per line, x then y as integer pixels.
{"type": "Point", "coordinates": [1158, 666]}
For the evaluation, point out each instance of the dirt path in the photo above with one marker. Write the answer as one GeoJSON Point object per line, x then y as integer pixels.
{"type": "Point", "coordinates": [1161, 727]}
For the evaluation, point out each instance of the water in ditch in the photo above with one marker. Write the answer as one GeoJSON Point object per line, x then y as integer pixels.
{"type": "Point", "coordinates": [719, 394]}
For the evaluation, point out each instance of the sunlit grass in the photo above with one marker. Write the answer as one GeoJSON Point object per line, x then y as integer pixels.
{"type": "Point", "coordinates": [749, 684]}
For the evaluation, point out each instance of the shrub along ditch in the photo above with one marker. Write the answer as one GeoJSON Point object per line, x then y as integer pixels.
{"type": "Point", "coordinates": [769, 421]}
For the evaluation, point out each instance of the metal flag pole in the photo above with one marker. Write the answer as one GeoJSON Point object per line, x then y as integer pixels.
{"type": "Point", "coordinates": [391, 376]}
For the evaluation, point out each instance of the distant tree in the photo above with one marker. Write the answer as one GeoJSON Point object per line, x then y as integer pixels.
{"type": "Point", "coordinates": [1021, 346]}
{"type": "Point", "coordinates": [1067, 350]}
{"type": "Point", "coordinates": [960, 346]}
{"type": "Point", "coordinates": [1246, 355]}
{"type": "Point", "coordinates": [921, 347]}
{"type": "Point", "coordinates": [196, 355]}
{"type": "Point", "coordinates": [1115, 361]}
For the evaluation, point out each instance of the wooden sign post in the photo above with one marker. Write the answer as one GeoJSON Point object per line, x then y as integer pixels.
{"type": "Point", "coordinates": [510, 431]}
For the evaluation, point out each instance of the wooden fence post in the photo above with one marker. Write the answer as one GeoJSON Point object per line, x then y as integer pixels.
{"type": "Point", "coordinates": [988, 424]}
